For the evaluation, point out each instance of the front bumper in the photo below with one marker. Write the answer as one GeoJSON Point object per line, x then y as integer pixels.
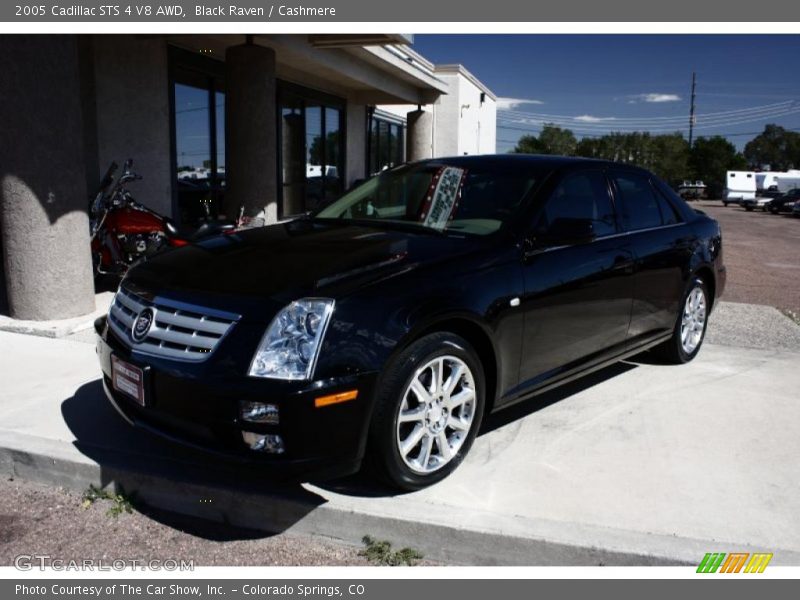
{"type": "Point", "coordinates": [187, 406]}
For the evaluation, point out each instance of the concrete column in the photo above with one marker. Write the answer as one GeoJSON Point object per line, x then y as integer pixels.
{"type": "Point", "coordinates": [419, 135]}
{"type": "Point", "coordinates": [356, 139]}
{"type": "Point", "coordinates": [251, 143]}
{"type": "Point", "coordinates": [43, 196]}
{"type": "Point", "coordinates": [133, 113]}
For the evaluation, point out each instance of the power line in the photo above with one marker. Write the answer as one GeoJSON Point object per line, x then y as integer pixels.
{"type": "Point", "coordinates": [597, 135]}
{"type": "Point", "coordinates": [786, 104]}
{"type": "Point", "coordinates": [700, 121]}
{"type": "Point", "coordinates": [606, 127]}
{"type": "Point", "coordinates": [691, 109]}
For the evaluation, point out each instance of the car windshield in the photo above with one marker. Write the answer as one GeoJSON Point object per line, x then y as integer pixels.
{"type": "Point", "coordinates": [439, 197]}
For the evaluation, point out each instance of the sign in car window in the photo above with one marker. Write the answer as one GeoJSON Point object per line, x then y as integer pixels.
{"type": "Point", "coordinates": [441, 201]}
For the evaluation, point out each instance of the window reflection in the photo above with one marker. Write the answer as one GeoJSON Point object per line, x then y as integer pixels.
{"type": "Point", "coordinates": [199, 113]}
{"type": "Point", "coordinates": [387, 144]}
{"type": "Point", "coordinates": [312, 157]}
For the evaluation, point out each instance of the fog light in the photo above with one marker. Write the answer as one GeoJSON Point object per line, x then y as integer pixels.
{"type": "Point", "coordinates": [257, 412]}
{"type": "Point", "coordinates": [260, 442]}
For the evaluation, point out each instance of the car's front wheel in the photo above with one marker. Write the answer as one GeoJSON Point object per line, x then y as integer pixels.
{"type": "Point", "coordinates": [429, 408]}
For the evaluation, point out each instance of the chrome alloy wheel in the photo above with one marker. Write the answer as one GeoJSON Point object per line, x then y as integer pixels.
{"type": "Point", "coordinates": [693, 321]}
{"type": "Point", "coordinates": [436, 414]}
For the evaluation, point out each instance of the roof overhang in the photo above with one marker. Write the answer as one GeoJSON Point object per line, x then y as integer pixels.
{"type": "Point", "coordinates": [363, 73]}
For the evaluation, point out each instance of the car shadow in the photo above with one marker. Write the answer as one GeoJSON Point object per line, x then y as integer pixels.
{"type": "Point", "coordinates": [541, 401]}
{"type": "Point", "coordinates": [364, 485]}
{"type": "Point", "coordinates": [190, 490]}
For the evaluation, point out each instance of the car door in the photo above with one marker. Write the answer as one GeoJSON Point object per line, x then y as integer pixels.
{"type": "Point", "coordinates": [578, 296]}
{"type": "Point", "coordinates": [662, 248]}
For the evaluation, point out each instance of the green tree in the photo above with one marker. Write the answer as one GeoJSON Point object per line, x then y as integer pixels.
{"type": "Point", "coordinates": [527, 144]}
{"type": "Point", "coordinates": [555, 140]}
{"type": "Point", "coordinates": [670, 157]}
{"type": "Point", "coordinates": [710, 158]}
{"type": "Point", "coordinates": [589, 148]}
{"type": "Point", "coordinates": [776, 147]}
{"type": "Point", "coordinates": [666, 155]}
{"type": "Point", "coordinates": [551, 140]}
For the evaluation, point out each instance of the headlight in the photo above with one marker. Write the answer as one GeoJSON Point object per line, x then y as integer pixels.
{"type": "Point", "coordinates": [291, 343]}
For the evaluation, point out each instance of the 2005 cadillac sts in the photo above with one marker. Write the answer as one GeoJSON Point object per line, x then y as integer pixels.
{"type": "Point", "coordinates": [385, 326]}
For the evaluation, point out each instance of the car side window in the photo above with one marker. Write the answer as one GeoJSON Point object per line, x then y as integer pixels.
{"type": "Point", "coordinates": [638, 202]}
{"type": "Point", "coordinates": [581, 195]}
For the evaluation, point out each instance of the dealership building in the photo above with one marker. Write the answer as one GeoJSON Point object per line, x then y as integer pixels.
{"type": "Point", "coordinates": [277, 124]}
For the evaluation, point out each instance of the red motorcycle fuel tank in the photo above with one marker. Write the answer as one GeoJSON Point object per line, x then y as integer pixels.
{"type": "Point", "coordinates": [129, 220]}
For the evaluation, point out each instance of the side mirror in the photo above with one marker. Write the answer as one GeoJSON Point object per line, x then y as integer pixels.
{"type": "Point", "coordinates": [566, 232]}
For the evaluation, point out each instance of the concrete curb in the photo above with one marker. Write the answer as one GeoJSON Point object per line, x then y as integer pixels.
{"type": "Point", "coordinates": [58, 328]}
{"type": "Point", "coordinates": [470, 537]}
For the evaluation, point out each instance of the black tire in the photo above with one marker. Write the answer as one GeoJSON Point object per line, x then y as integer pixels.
{"type": "Point", "coordinates": [672, 351]}
{"type": "Point", "coordinates": [748, 208]}
{"type": "Point", "coordinates": [725, 204]}
{"type": "Point", "coordinates": [382, 448]}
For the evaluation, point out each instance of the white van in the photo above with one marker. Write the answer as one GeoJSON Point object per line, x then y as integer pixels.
{"type": "Point", "coordinates": [739, 185]}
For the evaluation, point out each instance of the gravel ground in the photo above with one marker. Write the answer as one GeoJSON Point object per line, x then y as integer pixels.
{"type": "Point", "coordinates": [51, 521]}
{"type": "Point", "coordinates": [762, 253]}
{"type": "Point", "coordinates": [752, 326]}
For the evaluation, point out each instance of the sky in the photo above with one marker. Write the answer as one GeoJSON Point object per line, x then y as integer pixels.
{"type": "Point", "coordinates": [594, 84]}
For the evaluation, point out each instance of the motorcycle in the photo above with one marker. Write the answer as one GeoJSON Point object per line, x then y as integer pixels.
{"type": "Point", "coordinates": [124, 232]}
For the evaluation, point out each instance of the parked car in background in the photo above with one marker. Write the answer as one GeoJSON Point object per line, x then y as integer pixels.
{"type": "Point", "coordinates": [385, 326]}
{"type": "Point", "coordinates": [796, 209]}
{"type": "Point", "coordinates": [760, 202]}
{"type": "Point", "coordinates": [692, 190]}
{"type": "Point", "coordinates": [784, 203]}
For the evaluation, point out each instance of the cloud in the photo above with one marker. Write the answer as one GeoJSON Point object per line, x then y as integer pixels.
{"type": "Point", "coordinates": [592, 119]}
{"type": "Point", "coordinates": [512, 103]}
{"type": "Point", "coordinates": [654, 97]}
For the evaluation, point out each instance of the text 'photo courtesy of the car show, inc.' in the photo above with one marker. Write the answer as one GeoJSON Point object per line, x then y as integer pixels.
{"type": "Point", "coordinates": [369, 300]}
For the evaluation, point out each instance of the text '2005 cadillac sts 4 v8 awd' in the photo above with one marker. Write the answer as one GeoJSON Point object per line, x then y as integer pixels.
{"type": "Point", "coordinates": [385, 326]}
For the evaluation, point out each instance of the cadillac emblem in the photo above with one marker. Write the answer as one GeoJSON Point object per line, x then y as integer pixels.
{"type": "Point", "coordinates": [141, 326]}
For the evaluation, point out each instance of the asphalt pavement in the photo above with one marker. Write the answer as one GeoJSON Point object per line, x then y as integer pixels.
{"type": "Point", "coordinates": [762, 253]}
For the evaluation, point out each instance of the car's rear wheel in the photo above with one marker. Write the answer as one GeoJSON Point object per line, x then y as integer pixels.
{"type": "Point", "coordinates": [429, 408]}
{"type": "Point", "coordinates": [690, 327]}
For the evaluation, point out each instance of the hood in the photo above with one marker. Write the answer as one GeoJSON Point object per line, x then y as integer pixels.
{"type": "Point", "coordinates": [291, 260]}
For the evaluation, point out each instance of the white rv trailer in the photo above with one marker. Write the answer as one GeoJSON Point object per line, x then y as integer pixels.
{"type": "Point", "coordinates": [787, 181]}
{"type": "Point", "coordinates": [739, 185]}
{"type": "Point", "coordinates": [768, 180]}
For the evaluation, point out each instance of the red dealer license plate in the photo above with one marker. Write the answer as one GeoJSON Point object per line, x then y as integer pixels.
{"type": "Point", "coordinates": [127, 379]}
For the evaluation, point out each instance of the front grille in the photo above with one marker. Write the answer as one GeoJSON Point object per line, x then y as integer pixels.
{"type": "Point", "coordinates": [179, 331]}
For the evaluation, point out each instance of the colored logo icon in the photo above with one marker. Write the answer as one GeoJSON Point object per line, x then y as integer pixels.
{"type": "Point", "coordinates": [734, 562]}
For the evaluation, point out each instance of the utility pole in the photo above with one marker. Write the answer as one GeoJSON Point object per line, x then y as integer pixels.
{"type": "Point", "coordinates": [691, 110]}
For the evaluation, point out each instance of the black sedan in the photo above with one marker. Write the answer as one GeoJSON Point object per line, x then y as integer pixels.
{"type": "Point", "coordinates": [388, 324]}
{"type": "Point", "coordinates": [784, 203]}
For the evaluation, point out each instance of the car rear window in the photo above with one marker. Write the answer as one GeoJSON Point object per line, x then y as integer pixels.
{"type": "Point", "coordinates": [639, 205]}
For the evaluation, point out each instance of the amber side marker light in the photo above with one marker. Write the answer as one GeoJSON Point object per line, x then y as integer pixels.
{"type": "Point", "coordinates": [335, 398]}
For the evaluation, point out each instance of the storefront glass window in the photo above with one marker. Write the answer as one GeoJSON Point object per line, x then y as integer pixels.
{"type": "Point", "coordinates": [312, 155]}
{"type": "Point", "coordinates": [387, 144]}
{"type": "Point", "coordinates": [199, 129]}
